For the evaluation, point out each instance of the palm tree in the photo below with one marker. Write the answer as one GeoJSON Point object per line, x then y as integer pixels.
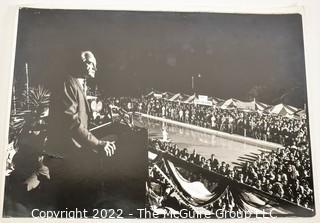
{"type": "Point", "coordinates": [39, 99]}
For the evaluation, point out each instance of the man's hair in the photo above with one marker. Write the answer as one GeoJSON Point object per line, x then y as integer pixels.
{"type": "Point", "coordinates": [88, 55]}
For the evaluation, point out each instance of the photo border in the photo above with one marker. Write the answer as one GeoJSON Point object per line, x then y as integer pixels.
{"type": "Point", "coordinates": [305, 9]}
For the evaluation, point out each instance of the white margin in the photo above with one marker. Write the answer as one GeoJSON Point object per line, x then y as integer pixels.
{"type": "Point", "coordinates": [309, 9]}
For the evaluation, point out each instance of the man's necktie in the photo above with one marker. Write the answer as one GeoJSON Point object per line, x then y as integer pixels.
{"type": "Point", "coordinates": [84, 87]}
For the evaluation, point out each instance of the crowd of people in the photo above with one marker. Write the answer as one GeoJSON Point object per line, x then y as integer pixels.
{"type": "Point", "coordinates": [273, 128]}
{"type": "Point", "coordinates": [257, 125]}
{"type": "Point", "coordinates": [285, 173]}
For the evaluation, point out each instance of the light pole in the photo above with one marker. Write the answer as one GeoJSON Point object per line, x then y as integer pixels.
{"type": "Point", "coordinates": [27, 84]}
{"type": "Point", "coordinates": [192, 82]}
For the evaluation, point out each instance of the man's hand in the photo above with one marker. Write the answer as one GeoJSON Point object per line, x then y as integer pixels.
{"type": "Point", "coordinates": [108, 147]}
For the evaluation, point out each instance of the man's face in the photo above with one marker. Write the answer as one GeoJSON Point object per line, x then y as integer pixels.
{"type": "Point", "coordinates": [89, 66]}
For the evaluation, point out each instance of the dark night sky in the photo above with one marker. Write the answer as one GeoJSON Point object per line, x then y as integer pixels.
{"type": "Point", "coordinates": [137, 51]}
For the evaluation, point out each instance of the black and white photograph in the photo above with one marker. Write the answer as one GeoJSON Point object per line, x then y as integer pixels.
{"type": "Point", "coordinates": [155, 114]}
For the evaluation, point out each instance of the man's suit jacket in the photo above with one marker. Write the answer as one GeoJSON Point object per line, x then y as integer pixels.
{"type": "Point", "coordinates": [74, 179]}
{"type": "Point", "coordinates": [68, 133]}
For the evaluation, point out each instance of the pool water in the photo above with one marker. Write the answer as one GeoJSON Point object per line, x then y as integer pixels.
{"type": "Point", "coordinates": [205, 144]}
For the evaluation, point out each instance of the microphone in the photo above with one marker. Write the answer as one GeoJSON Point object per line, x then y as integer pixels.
{"type": "Point", "coordinates": [125, 116]}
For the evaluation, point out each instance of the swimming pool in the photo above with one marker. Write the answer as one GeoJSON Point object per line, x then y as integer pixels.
{"type": "Point", "coordinates": [230, 151]}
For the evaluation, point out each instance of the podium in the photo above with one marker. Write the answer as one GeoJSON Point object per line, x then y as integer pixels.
{"type": "Point", "coordinates": [125, 173]}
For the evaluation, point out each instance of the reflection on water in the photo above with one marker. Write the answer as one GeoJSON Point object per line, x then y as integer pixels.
{"type": "Point", "coordinates": [205, 144]}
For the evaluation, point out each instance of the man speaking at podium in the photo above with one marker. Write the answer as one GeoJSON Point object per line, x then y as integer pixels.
{"type": "Point", "coordinates": [74, 151]}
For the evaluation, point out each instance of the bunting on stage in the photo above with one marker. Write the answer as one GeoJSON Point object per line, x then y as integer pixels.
{"type": "Point", "coordinates": [197, 193]}
{"type": "Point", "coordinates": [254, 203]}
{"type": "Point", "coordinates": [245, 197]}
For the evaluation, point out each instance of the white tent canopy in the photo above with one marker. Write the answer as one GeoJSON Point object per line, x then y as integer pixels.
{"type": "Point", "coordinates": [259, 106]}
{"type": "Point", "coordinates": [283, 110]}
{"type": "Point", "coordinates": [174, 97]}
{"type": "Point", "coordinates": [167, 95]}
{"type": "Point", "coordinates": [301, 113]}
{"type": "Point", "coordinates": [228, 104]}
{"type": "Point", "coordinates": [250, 106]}
{"type": "Point", "coordinates": [215, 100]}
{"type": "Point", "coordinates": [231, 103]}
{"type": "Point", "coordinates": [155, 94]}
{"type": "Point", "coordinates": [183, 97]}
{"type": "Point", "coordinates": [190, 99]}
